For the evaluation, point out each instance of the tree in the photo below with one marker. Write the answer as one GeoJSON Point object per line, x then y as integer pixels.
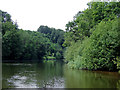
{"type": "Point", "coordinates": [92, 38]}
{"type": "Point", "coordinates": [11, 45]}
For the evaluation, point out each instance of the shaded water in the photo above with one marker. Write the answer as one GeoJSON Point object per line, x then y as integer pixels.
{"type": "Point", "coordinates": [55, 75]}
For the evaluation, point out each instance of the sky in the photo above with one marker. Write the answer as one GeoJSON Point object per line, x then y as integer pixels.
{"type": "Point", "coordinates": [30, 14]}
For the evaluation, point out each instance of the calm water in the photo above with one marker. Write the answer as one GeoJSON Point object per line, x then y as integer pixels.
{"type": "Point", "coordinates": [55, 75]}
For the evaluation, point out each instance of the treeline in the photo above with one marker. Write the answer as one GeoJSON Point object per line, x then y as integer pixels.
{"type": "Point", "coordinates": [93, 38]}
{"type": "Point", "coordinates": [18, 44]}
{"type": "Point", "coordinates": [56, 36]}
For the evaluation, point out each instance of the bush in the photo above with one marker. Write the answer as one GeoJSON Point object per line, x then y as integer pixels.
{"type": "Point", "coordinates": [103, 44]}
{"type": "Point", "coordinates": [99, 51]}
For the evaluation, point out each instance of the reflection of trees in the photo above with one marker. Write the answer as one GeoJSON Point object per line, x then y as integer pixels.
{"type": "Point", "coordinates": [42, 74]}
{"type": "Point", "coordinates": [89, 79]}
{"type": "Point", "coordinates": [9, 70]}
{"type": "Point", "coordinates": [49, 74]}
{"type": "Point", "coordinates": [14, 72]}
{"type": "Point", "coordinates": [118, 84]}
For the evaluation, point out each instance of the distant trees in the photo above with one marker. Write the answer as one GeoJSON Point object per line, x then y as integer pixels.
{"type": "Point", "coordinates": [18, 44]}
{"type": "Point", "coordinates": [93, 37]}
{"type": "Point", "coordinates": [56, 36]}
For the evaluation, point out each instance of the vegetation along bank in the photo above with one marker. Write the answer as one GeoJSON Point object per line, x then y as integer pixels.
{"type": "Point", "coordinates": [91, 40]}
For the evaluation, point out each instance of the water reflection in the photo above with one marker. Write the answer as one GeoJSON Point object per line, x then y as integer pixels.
{"type": "Point", "coordinates": [91, 79]}
{"type": "Point", "coordinates": [55, 75]}
{"type": "Point", "coordinates": [35, 75]}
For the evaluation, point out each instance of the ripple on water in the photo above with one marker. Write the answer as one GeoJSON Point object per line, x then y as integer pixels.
{"type": "Point", "coordinates": [20, 82]}
{"type": "Point", "coordinates": [18, 64]}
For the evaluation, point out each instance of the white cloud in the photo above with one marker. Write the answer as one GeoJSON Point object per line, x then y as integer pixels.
{"type": "Point", "coordinates": [30, 14]}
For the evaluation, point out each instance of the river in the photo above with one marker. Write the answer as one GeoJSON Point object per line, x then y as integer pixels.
{"type": "Point", "coordinates": [55, 75]}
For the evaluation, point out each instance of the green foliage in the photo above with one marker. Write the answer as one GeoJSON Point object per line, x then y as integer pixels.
{"type": "Point", "coordinates": [49, 58]}
{"type": "Point", "coordinates": [7, 23]}
{"type": "Point", "coordinates": [118, 63]}
{"type": "Point", "coordinates": [86, 20]}
{"type": "Point", "coordinates": [58, 55]}
{"type": "Point", "coordinates": [5, 17]}
{"type": "Point", "coordinates": [34, 45]}
{"type": "Point", "coordinates": [11, 45]}
{"type": "Point", "coordinates": [56, 37]}
{"type": "Point", "coordinates": [92, 39]}
{"type": "Point", "coordinates": [30, 45]}
{"type": "Point", "coordinates": [103, 45]}
{"type": "Point", "coordinates": [100, 51]}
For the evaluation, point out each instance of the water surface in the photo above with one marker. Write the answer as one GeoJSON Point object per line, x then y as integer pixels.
{"type": "Point", "coordinates": [55, 75]}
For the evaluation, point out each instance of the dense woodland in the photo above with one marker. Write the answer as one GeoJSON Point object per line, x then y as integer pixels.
{"type": "Point", "coordinates": [18, 44]}
{"type": "Point", "coordinates": [91, 40]}
{"type": "Point", "coordinates": [93, 37]}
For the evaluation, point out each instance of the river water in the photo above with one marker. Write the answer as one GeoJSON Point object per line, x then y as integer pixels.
{"type": "Point", "coordinates": [55, 75]}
